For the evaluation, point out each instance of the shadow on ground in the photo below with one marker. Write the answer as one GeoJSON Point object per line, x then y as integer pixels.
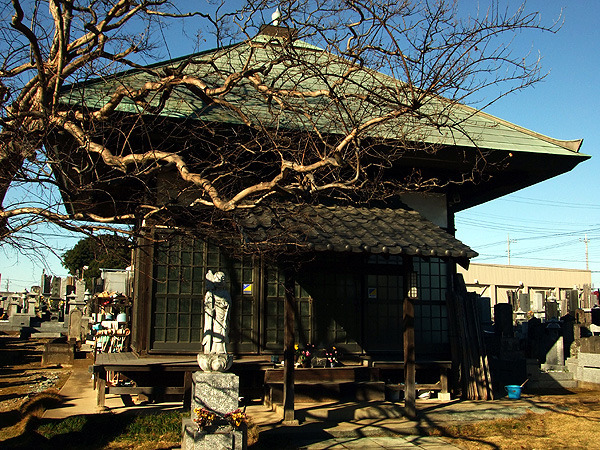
{"type": "Point", "coordinates": [94, 431]}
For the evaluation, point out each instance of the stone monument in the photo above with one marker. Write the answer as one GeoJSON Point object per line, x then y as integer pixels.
{"type": "Point", "coordinates": [215, 393]}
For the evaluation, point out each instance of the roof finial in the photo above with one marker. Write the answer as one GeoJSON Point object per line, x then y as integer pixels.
{"type": "Point", "coordinates": [275, 17]}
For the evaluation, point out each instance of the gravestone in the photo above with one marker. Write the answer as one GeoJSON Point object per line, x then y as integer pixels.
{"type": "Point", "coordinates": [75, 325]}
{"type": "Point", "coordinates": [551, 310]}
{"type": "Point", "coordinates": [538, 302]}
{"type": "Point", "coordinates": [555, 344]}
{"type": "Point", "coordinates": [524, 302]}
{"type": "Point", "coordinates": [503, 319]}
{"type": "Point", "coordinates": [572, 300]}
{"type": "Point", "coordinates": [484, 310]}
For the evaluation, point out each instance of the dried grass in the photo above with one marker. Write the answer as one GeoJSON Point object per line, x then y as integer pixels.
{"type": "Point", "coordinates": [570, 422]}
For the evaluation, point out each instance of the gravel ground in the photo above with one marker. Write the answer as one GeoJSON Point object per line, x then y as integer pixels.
{"type": "Point", "coordinates": [22, 376]}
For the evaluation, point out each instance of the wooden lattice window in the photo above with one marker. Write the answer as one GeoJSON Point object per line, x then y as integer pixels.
{"type": "Point", "coordinates": [431, 313]}
{"type": "Point", "coordinates": [180, 267]}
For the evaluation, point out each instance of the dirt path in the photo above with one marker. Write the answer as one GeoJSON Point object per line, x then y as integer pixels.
{"type": "Point", "coordinates": [23, 380]}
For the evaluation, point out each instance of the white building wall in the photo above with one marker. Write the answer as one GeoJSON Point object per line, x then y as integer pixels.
{"type": "Point", "coordinates": [431, 206]}
{"type": "Point", "coordinates": [494, 280]}
{"type": "Point", "coordinates": [115, 280]}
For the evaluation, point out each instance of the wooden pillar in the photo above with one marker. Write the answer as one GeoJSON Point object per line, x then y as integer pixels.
{"type": "Point", "coordinates": [187, 390]}
{"type": "Point", "coordinates": [410, 390]}
{"type": "Point", "coordinates": [288, 346]}
{"type": "Point", "coordinates": [142, 291]}
{"type": "Point", "coordinates": [101, 386]}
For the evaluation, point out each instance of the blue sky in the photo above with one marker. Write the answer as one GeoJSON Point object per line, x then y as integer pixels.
{"type": "Point", "coordinates": [547, 223]}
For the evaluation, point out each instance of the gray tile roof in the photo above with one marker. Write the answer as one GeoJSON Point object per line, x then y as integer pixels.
{"type": "Point", "coordinates": [352, 229]}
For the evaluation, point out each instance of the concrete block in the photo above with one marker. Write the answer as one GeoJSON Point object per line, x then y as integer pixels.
{"type": "Point", "coordinates": [589, 365]}
{"type": "Point", "coordinates": [590, 374]}
{"type": "Point", "coordinates": [589, 359]}
{"type": "Point", "coordinates": [19, 320]}
{"type": "Point", "coordinates": [445, 397]}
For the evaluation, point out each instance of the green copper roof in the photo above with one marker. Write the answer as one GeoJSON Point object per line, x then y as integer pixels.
{"type": "Point", "coordinates": [319, 70]}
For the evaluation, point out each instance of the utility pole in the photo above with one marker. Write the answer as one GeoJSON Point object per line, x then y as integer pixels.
{"type": "Point", "coordinates": [508, 241]}
{"type": "Point", "coordinates": [585, 240]}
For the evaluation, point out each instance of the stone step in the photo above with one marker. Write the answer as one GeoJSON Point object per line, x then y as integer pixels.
{"type": "Point", "coordinates": [87, 347]}
{"type": "Point", "coordinates": [552, 384]}
{"type": "Point", "coordinates": [557, 376]}
{"type": "Point", "coordinates": [51, 326]}
{"type": "Point", "coordinates": [46, 335]}
{"type": "Point", "coordinates": [552, 368]}
{"type": "Point", "coordinates": [550, 376]}
{"type": "Point", "coordinates": [552, 380]}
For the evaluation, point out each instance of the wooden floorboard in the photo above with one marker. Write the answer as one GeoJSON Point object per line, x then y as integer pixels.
{"type": "Point", "coordinates": [124, 360]}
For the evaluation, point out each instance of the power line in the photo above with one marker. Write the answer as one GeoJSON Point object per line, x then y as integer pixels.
{"type": "Point", "coordinates": [483, 256]}
{"type": "Point", "coordinates": [543, 202]}
{"type": "Point", "coordinates": [511, 219]}
{"type": "Point", "coordinates": [478, 223]}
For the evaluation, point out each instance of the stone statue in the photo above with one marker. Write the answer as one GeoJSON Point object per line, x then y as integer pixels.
{"type": "Point", "coordinates": [217, 304]}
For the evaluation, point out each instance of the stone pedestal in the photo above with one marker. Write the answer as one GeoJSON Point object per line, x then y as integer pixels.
{"type": "Point", "coordinates": [221, 437]}
{"type": "Point", "coordinates": [217, 392]}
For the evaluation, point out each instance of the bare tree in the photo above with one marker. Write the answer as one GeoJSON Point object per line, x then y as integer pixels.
{"type": "Point", "coordinates": [328, 99]}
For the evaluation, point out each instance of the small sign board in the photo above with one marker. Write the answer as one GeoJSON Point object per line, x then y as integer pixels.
{"type": "Point", "coordinates": [372, 292]}
{"type": "Point", "coordinates": [247, 288]}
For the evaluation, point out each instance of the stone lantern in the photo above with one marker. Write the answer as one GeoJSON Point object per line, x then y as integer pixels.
{"type": "Point", "coordinates": [76, 301]}
{"type": "Point", "coordinates": [87, 300]}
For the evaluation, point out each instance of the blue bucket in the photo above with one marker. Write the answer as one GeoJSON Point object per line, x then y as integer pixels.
{"type": "Point", "coordinates": [514, 391]}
